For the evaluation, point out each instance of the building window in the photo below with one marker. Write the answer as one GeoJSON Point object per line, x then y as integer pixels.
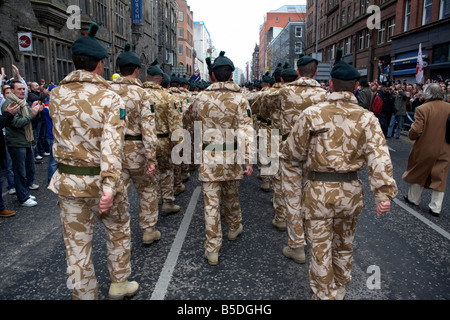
{"type": "Point", "coordinates": [444, 11]}
{"type": "Point", "coordinates": [119, 14]}
{"type": "Point", "coordinates": [348, 45]}
{"type": "Point", "coordinates": [180, 16]}
{"type": "Point", "coordinates": [35, 63]}
{"type": "Point", "coordinates": [298, 47]}
{"type": "Point", "coordinates": [63, 61]}
{"type": "Point", "coordinates": [180, 49]}
{"type": "Point", "coordinates": [407, 14]}
{"type": "Point", "coordinates": [181, 35]}
{"type": "Point", "coordinates": [391, 27]}
{"type": "Point", "coordinates": [367, 38]}
{"type": "Point", "coordinates": [427, 6]}
{"type": "Point", "coordinates": [381, 33]}
{"type": "Point", "coordinates": [360, 40]}
{"type": "Point", "coordinates": [101, 13]}
{"type": "Point", "coordinates": [298, 32]}
{"type": "Point", "coordinates": [84, 6]}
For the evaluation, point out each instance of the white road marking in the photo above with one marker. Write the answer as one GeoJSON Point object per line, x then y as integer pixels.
{"type": "Point", "coordinates": [171, 261]}
{"type": "Point", "coordinates": [423, 219]}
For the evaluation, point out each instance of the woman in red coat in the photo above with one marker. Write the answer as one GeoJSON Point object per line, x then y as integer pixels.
{"type": "Point", "coordinates": [428, 162]}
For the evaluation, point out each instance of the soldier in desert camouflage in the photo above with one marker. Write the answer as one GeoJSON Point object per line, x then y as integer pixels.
{"type": "Point", "coordinates": [336, 139]}
{"type": "Point", "coordinates": [220, 109]}
{"type": "Point", "coordinates": [295, 97]}
{"type": "Point", "coordinates": [88, 123]}
{"type": "Point", "coordinates": [168, 122]}
{"type": "Point", "coordinates": [140, 143]}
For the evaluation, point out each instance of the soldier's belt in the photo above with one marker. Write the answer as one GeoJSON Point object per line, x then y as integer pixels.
{"type": "Point", "coordinates": [221, 147]}
{"type": "Point", "coordinates": [333, 176]}
{"type": "Point", "coordinates": [162, 135]}
{"type": "Point", "coordinates": [133, 138]}
{"type": "Point", "coordinates": [80, 171]}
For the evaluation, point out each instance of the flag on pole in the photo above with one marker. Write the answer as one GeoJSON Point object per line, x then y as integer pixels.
{"type": "Point", "coordinates": [196, 76]}
{"type": "Point", "coordinates": [419, 68]}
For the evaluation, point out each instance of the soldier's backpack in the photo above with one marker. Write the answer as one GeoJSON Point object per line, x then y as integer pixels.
{"type": "Point", "coordinates": [377, 105]}
{"type": "Point", "coordinates": [447, 132]}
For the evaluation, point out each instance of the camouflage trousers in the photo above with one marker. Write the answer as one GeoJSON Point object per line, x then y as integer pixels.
{"type": "Point", "coordinates": [291, 188]}
{"type": "Point", "coordinates": [279, 202]}
{"type": "Point", "coordinates": [147, 190]}
{"type": "Point", "coordinates": [330, 211]}
{"type": "Point", "coordinates": [165, 176]}
{"type": "Point", "coordinates": [177, 179]}
{"type": "Point", "coordinates": [218, 194]}
{"type": "Point", "coordinates": [78, 219]}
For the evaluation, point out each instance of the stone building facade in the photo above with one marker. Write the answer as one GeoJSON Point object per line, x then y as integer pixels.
{"type": "Point", "coordinates": [149, 25]}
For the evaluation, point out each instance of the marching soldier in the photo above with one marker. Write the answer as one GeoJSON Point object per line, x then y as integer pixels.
{"type": "Point", "coordinates": [88, 123]}
{"type": "Point", "coordinates": [168, 121]}
{"type": "Point", "coordinates": [265, 130]}
{"type": "Point", "coordinates": [175, 84]}
{"type": "Point", "coordinates": [335, 139]}
{"type": "Point", "coordinates": [140, 143]}
{"type": "Point", "coordinates": [221, 108]}
{"type": "Point", "coordinates": [295, 98]}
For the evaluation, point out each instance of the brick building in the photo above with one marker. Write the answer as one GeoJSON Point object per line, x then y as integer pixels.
{"type": "Point", "coordinates": [426, 22]}
{"type": "Point", "coordinates": [276, 19]}
{"type": "Point", "coordinates": [344, 24]}
{"type": "Point", "coordinates": [185, 39]}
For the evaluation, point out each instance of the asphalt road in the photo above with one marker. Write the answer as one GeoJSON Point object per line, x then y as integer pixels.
{"type": "Point", "coordinates": [403, 255]}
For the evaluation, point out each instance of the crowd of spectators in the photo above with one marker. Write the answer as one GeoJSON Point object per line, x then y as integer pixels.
{"type": "Point", "coordinates": [20, 152]}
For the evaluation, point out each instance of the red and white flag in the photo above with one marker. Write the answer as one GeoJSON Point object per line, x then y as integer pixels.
{"type": "Point", "coordinates": [419, 68]}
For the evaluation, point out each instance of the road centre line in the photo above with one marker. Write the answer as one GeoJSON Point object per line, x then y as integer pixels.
{"type": "Point", "coordinates": [166, 273]}
{"type": "Point", "coordinates": [423, 219]}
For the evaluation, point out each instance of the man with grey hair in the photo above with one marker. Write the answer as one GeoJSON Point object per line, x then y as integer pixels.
{"type": "Point", "coordinates": [429, 160]}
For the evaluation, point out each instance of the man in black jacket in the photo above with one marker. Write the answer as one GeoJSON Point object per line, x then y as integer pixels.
{"type": "Point", "coordinates": [5, 119]}
{"type": "Point", "coordinates": [388, 107]}
{"type": "Point", "coordinates": [39, 124]}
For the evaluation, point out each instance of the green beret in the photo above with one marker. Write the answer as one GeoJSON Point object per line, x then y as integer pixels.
{"type": "Point", "coordinates": [88, 45]}
{"type": "Point", "coordinates": [304, 60]}
{"type": "Point", "coordinates": [184, 80]}
{"type": "Point", "coordinates": [165, 80]}
{"type": "Point", "coordinates": [128, 58]}
{"type": "Point", "coordinates": [221, 61]}
{"type": "Point", "coordinates": [174, 79]}
{"type": "Point", "coordinates": [267, 78]}
{"type": "Point", "coordinates": [342, 70]}
{"type": "Point", "coordinates": [288, 71]}
{"type": "Point", "coordinates": [154, 69]}
{"type": "Point", "coordinates": [278, 70]}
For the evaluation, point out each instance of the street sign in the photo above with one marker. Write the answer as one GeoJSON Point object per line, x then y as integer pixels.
{"type": "Point", "coordinates": [25, 41]}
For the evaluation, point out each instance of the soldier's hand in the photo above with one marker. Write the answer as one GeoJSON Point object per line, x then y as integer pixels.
{"type": "Point", "coordinates": [383, 207]}
{"type": "Point", "coordinates": [248, 171]}
{"type": "Point", "coordinates": [106, 202]}
{"type": "Point", "coordinates": [151, 171]}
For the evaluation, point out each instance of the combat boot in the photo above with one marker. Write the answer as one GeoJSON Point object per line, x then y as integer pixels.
{"type": "Point", "coordinates": [120, 290]}
{"type": "Point", "coordinates": [179, 190]}
{"type": "Point", "coordinates": [340, 294]}
{"type": "Point", "coordinates": [170, 207]}
{"type": "Point", "coordinates": [233, 234]}
{"type": "Point", "coordinates": [280, 225]}
{"type": "Point", "coordinates": [297, 254]}
{"type": "Point", "coordinates": [213, 258]}
{"type": "Point", "coordinates": [150, 237]}
{"type": "Point", "coordinates": [185, 176]}
{"type": "Point", "coordinates": [265, 186]}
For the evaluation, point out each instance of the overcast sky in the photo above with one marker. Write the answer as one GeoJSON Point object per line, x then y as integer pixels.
{"type": "Point", "coordinates": [234, 24]}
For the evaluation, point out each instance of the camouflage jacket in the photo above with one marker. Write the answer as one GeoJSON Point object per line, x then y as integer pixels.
{"type": "Point", "coordinates": [140, 122]}
{"type": "Point", "coordinates": [167, 117]}
{"type": "Point", "coordinates": [293, 98]}
{"type": "Point", "coordinates": [340, 136]}
{"type": "Point", "coordinates": [268, 110]}
{"type": "Point", "coordinates": [227, 138]}
{"type": "Point", "coordinates": [88, 124]}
